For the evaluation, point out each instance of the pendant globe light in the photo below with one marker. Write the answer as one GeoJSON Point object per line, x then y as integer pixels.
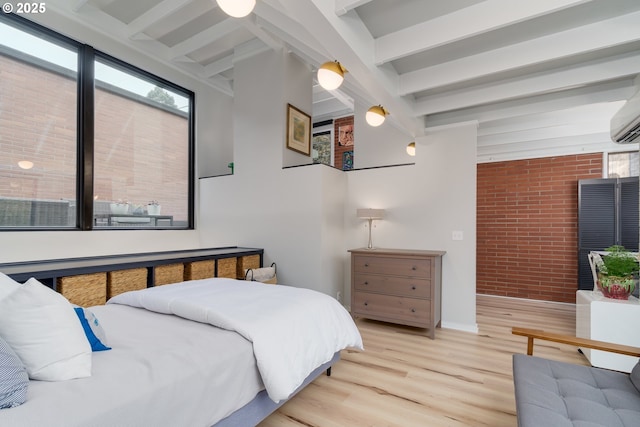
{"type": "Point", "coordinates": [375, 115]}
{"type": "Point", "coordinates": [411, 149]}
{"type": "Point", "coordinates": [236, 8]}
{"type": "Point", "coordinates": [331, 75]}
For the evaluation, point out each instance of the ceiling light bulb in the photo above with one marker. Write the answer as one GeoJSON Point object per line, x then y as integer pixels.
{"type": "Point", "coordinates": [376, 115]}
{"type": "Point", "coordinates": [236, 8]}
{"type": "Point", "coordinates": [25, 164]}
{"type": "Point", "coordinates": [411, 149]}
{"type": "Point", "coordinates": [331, 75]}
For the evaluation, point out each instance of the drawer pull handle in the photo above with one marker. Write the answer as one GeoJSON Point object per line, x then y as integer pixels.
{"type": "Point", "coordinates": [366, 283]}
{"type": "Point", "coordinates": [413, 310]}
{"type": "Point", "coordinates": [366, 264]}
{"type": "Point", "coordinates": [413, 288]}
{"type": "Point", "coordinates": [414, 268]}
{"type": "Point", "coordinates": [366, 303]}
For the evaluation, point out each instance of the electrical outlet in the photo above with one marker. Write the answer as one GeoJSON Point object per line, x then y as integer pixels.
{"type": "Point", "coordinates": [456, 235]}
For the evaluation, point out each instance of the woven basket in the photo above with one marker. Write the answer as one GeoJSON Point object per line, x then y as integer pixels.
{"type": "Point", "coordinates": [126, 280]}
{"type": "Point", "coordinates": [247, 262]}
{"type": "Point", "coordinates": [170, 273]}
{"type": "Point", "coordinates": [84, 290]}
{"type": "Point", "coordinates": [227, 267]}
{"type": "Point", "coordinates": [199, 269]}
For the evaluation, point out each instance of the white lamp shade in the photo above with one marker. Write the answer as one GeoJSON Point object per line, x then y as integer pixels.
{"type": "Point", "coordinates": [237, 8]}
{"type": "Point", "coordinates": [331, 75]}
{"type": "Point", "coordinates": [375, 115]}
{"type": "Point", "coordinates": [370, 213]}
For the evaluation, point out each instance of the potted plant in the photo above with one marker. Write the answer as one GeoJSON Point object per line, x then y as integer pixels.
{"type": "Point", "coordinates": [616, 271]}
{"type": "Point", "coordinates": [121, 207]}
{"type": "Point", "coordinates": [153, 207]}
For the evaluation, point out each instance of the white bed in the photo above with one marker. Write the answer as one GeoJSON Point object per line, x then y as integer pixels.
{"type": "Point", "coordinates": [164, 370]}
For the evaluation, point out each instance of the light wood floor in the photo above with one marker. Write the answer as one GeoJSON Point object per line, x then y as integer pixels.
{"type": "Point", "coordinates": [405, 379]}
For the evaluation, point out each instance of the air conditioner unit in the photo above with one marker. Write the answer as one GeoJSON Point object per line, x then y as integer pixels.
{"type": "Point", "coordinates": [625, 124]}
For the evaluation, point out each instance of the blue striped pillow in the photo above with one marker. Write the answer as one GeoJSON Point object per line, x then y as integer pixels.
{"type": "Point", "coordinates": [14, 380]}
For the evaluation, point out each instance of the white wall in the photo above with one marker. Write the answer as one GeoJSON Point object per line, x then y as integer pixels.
{"type": "Point", "coordinates": [424, 203]}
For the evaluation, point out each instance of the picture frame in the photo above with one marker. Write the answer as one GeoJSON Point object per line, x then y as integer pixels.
{"type": "Point", "coordinates": [298, 130]}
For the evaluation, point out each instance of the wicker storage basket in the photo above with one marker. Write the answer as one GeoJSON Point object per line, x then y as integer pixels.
{"type": "Point", "coordinates": [199, 269]}
{"type": "Point", "coordinates": [169, 273]}
{"type": "Point", "coordinates": [246, 262]}
{"type": "Point", "coordinates": [126, 280]}
{"type": "Point", "coordinates": [84, 290]}
{"type": "Point", "coordinates": [227, 267]}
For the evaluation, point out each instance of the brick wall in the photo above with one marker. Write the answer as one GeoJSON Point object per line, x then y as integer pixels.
{"type": "Point", "coordinates": [141, 151]}
{"type": "Point", "coordinates": [339, 148]}
{"type": "Point", "coordinates": [527, 226]}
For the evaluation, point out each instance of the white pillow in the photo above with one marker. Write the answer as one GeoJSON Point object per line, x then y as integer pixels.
{"type": "Point", "coordinates": [7, 285]}
{"type": "Point", "coordinates": [41, 326]}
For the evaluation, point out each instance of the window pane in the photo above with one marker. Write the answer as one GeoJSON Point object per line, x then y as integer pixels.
{"type": "Point", "coordinates": [141, 172]}
{"type": "Point", "coordinates": [623, 165]}
{"type": "Point", "coordinates": [38, 108]}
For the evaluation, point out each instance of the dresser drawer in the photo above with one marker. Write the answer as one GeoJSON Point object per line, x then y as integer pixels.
{"type": "Point", "coordinates": [392, 266]}
{"type": "Point", "coordinates": [401, 286]}
{"type": "Point", "coordinates": [410, 311]}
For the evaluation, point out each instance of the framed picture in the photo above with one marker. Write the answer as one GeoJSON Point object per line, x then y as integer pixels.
{"type": "Point", "coordinates": [298, 131]}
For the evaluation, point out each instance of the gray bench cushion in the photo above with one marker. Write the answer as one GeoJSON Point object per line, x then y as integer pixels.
{"type": "Point", "coordinates": [558, 394]}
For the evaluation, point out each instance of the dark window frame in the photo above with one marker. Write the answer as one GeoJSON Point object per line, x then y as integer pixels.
{"type": "Point", "coordinates": [85, 126]}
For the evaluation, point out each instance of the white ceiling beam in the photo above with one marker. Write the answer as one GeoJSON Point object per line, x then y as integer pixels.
{"type": "Point", "coordinates": [344, 6]}
{"type": "Point", "coordinates": [584, 115]}
{"type": "Point", "coordinates": [617, 67]}
{"type": "Point", "coordinates": [219, 66]}
{"type": "Point", "coordinates": [351, 43]}
{"type": "Point", "coordinates": [468, 22]}
{"type": "Point", "coordinates": [204, 38]}
{"type": "Point", "coordinates": [588, 38]}
{"type": "Point", "coordinates": [153, 15]}
{"type": "Point", "coordinates": [597, 94]}
{"type": "Point", "coordinates": [250, 24]}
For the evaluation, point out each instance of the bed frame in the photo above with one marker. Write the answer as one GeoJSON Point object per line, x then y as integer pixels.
{"type": "Point", "coordinates": [262, 406]}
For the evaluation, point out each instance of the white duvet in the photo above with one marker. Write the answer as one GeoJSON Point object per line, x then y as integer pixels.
{"type": "Point", "coordinates": [293, 330]}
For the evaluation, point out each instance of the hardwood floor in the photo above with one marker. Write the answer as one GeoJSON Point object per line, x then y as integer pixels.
{"type": "Point", "coordinates": [405, 379]}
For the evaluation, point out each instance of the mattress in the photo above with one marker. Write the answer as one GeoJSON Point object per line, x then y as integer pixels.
{"type": "Point", "coordinates": [162, 371]}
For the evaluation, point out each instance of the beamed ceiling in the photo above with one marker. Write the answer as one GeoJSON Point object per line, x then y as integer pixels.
{"type": "Point", "coordinates": [535, 75]}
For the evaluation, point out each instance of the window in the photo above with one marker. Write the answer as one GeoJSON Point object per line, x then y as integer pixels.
{"type": "Point", "coordinates": [129, 155]}
{"type": "Point", "coordinates": [38, 127]}
{"type": "Point", "coordinates": [141, 150]}
{"type": "Point", "coordinates": [623, 165]}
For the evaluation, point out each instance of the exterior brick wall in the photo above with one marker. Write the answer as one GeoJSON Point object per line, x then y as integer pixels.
{"type": "Point", "coordinates": [141, 151]}
{"type": "Point", "coordinates": [527, 226]}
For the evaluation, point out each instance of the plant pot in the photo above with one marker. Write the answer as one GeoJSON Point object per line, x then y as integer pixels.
{"type": "Point", "coordinates": [119, 208]}
{"type": "Point", "coordinates": [153, 209]}
{"type": "Point", "coordinates": [616, 288]}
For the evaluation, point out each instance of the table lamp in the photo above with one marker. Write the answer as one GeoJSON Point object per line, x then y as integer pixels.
{"type": "Point", "coordinates": [370, 215]}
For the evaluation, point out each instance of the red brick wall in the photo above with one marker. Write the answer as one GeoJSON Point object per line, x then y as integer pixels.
{"type": "Point", "coordinates": [140, 151]}
{"type": "Point", "coordinates": [527, 226]}
{"type": "Point", "coordinates": [339, 150]}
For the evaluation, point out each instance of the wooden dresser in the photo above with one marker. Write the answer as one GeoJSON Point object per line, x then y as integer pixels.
{"type": "Point", "coordinates": [398, 286]}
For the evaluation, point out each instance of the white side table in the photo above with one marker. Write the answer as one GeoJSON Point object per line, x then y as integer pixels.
{"type": "Point", "coordinates": [610, 320]}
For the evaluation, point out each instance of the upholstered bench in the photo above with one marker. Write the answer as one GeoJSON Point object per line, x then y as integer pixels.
{"type": "Point", "coordinates": [558, 394]}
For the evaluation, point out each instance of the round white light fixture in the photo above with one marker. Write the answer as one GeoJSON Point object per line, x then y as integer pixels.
{"type": "Point", "coordinates": [25, 164]}
{"type": "Point", "coordinates": [376, 115]}
{"type": "Point", "coordinates": [331, 75]}
{"type": "Point", "coordinates": [411, 149]}
{"type": "Point", "coordinates": [237, 8]}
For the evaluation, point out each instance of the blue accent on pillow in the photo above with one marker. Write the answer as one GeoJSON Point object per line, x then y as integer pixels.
{"type": "Point", "coordinates": [14, 380]}
{"type": "Point", "coordinates": [96, 344]}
